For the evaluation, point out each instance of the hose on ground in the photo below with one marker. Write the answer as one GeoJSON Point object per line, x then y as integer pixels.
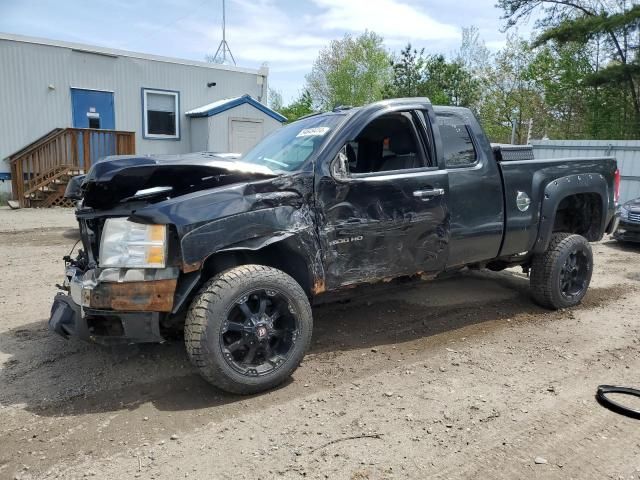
{"type": "Point", "coordinates": [604, 390]}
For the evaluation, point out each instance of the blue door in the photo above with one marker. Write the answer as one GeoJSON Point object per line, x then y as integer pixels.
{"type": "Point", "coordinates": [94, 109]}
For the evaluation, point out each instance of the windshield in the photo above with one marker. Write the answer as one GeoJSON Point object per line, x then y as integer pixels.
{"type": "Point", "coordinates": [288, 148]}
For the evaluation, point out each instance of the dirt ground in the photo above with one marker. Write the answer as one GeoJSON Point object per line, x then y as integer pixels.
{"type": "Point", "coordinates": [458, 378]}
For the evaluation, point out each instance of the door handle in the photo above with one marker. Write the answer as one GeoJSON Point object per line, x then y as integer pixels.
{"type": "Point", "coordinates": [427, 194]}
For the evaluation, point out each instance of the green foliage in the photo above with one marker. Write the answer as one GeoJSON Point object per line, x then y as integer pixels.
{"type": "Point", "coordinates": [614, 74]}
{"type": "Point", "coordinates": [511, 94]}
{"type": "Point", "coordinates": [578, 79]}
{"type": "Point", "coordinates": [449, 83]}
{"type": "Point", "coordinates": [350, 71]}
{"type": "Point", "coordinates": [558, 73]}
{"type": "Point", "coordinates": [300, 107]}
{"type": "Point", "coordinates": [586, 27]}
{"type": "Point", "coordinates": [443, 82]}
{"type": "Point", "coordinates": [610, 32]}
{"type": "Point", "coordinates": [407, 73]}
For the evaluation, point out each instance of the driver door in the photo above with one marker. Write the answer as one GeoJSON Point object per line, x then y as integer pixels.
{"type": "Point", "coordinates": [385, 214]}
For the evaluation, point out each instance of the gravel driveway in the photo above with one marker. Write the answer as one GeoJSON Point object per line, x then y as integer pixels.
{"type": "Point", "coordinates": [457, 378]}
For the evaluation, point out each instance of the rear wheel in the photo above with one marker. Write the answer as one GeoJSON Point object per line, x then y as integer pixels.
{"type": "Point", "coordinates": [248, 329]}
{"type": "Point", "coordinates": [561, 275]}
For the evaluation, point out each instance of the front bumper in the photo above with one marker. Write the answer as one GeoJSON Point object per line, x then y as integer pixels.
{"type": "Point", "coordinates": [113, 306]}
{"type": "Point", "coordinates": [627, 231]}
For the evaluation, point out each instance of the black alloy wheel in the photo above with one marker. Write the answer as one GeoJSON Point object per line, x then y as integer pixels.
{"type": "Point", "coordinates": [248, 328]}
{"type": "Point", "coordinates": [560, 276]}
{"type": "Point", "coordinates": [574, 274]}
{"type": "Point", "coordinates": [259, 332]}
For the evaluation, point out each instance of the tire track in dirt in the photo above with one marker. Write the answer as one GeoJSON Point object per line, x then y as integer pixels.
{"type": "Point", "coordinates": [336, 359]}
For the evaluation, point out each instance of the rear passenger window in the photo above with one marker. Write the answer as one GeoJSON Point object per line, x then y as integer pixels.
{"type": "Point", "coordinates": [457, 145]}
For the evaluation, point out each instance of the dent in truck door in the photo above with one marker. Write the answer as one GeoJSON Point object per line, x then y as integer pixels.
{"type": "Point", "coordinates": [389, 217]}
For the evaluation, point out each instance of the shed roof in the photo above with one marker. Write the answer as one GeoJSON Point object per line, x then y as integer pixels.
{"type": "Point", "coordinates": [225, 104]}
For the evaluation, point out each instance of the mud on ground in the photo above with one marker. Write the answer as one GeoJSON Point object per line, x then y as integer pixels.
{"type": "Point", "coordinates": [459, 378]}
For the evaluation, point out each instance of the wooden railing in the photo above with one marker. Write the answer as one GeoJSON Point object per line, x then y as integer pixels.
{"type": "Point", "coordinates": [62, 151]}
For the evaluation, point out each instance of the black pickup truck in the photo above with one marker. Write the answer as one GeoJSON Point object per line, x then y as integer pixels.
{"type": "Point", "coordinates": [233, 251]}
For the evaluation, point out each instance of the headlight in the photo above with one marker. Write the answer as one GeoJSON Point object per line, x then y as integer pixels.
{"type": "Point", "coordinates": [132, 245]}
{"type": "Point", "coordinates": [623, 212]}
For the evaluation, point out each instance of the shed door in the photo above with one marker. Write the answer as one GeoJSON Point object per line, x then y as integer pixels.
{"type": "Point", "coordinates": [244, 134]}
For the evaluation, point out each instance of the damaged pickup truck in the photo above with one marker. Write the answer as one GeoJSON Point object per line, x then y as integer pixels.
{"type": "Point", "coordinates": [233, 251]}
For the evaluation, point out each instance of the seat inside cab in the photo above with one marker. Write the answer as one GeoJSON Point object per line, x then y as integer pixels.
{"type": "Point", "coordinates": [386, 144]}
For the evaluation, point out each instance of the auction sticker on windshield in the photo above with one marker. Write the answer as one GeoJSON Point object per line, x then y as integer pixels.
{"type": "Point", "coordinates": [313, 132]}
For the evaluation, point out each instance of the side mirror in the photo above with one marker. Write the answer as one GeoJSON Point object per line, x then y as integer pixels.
{"type": "Point", "coordinates": [340, 165]}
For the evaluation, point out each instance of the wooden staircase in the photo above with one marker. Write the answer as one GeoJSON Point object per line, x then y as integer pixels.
{"type": "Point", "coordinates": [40, 171]}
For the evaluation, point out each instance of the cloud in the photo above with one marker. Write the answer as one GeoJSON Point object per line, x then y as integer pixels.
{"type": "Point", "coordinates": [389, 18]}
{"type": "Point", "coordinates": [262, 32]}
{"type": "Point", "coordinates": [288, 36]}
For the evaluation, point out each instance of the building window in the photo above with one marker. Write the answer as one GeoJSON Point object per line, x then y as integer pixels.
{"type": "Point", "coordinates": [160, 114]}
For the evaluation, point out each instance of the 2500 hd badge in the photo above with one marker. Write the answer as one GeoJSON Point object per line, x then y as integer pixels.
{"type": "Point", "coordinates": [358, 238]}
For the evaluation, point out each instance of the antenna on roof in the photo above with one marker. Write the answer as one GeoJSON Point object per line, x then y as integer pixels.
{"type": "Point", "coordinates": [223, 54]}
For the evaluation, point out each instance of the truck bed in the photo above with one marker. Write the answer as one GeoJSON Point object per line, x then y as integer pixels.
{"type": "Point", "coordinates": [545, 179]}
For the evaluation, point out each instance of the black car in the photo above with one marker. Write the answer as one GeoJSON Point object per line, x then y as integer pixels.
{"type": "Point", "coordinates": [629, 226]}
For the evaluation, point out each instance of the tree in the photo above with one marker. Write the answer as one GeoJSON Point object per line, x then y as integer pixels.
{"type": "Point", "coordinates": [350, 71]}
{"type": "Point", "coordinates": [407, 73]}
{"type": "Point", "coordinates": [473, 54]}
{"type": "Point", "coordinates": [557, 73]}
{"type": "Point", "coordinates": [444, 82]}
{"type": "Point", "coordinates": [275, 100]}
{"type": "Point", "coordinates": [448, 83]}
{"type": "Point", "coordinates": [512, 95]}
{"type": "Point", "coordinates": [609, 24]}
{"type": "Point", "coordinates": [300, 107]}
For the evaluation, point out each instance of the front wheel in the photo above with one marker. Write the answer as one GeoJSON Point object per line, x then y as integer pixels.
{"type": "Point", "coordinates": [248, 329]}
{"type": "Point", "coordinates": [561, 275]}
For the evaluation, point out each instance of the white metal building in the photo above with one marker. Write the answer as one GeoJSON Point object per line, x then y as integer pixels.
{"type": "Point", "coordinates": [48, 84]}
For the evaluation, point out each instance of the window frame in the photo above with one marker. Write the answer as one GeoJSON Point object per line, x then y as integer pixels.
{"type": "Point", "coordinates": [427, 137]}
{"type": "Point", "coordinates": [145, 122]}
{"type": "Point", "coordinates": [474, 145]}
{"type": "Point", "coordinates": [420, 144]}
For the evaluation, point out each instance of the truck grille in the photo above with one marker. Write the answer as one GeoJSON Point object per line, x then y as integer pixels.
{"type": "Point", "coordinates": [634, 217]}
{"type": "Point", "coordinates": [90, 232]}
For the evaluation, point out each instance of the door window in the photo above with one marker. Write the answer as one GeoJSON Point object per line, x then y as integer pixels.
{"type": "Point", "coordinates": [94, 121]}
{"type": "Point", "coordinates": [457, 145]}
{"type": "Point", "coordinates": [388, 143]}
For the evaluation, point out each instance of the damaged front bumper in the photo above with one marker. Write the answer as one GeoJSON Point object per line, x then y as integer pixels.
{"type": "Point", "coordinates": [114, 305]}
{"type": "Point", "coordinates": [627, 231]}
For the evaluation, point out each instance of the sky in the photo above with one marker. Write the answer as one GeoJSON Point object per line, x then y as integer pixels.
{"type": "Point", "coordinates": [284, 34]}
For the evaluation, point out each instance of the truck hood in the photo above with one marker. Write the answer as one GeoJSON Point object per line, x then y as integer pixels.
{"type": "Point", "coordinates": [124, 177]}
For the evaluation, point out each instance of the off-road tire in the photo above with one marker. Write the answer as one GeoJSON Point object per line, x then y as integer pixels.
{"type": "Point", "coordinates": [546, 267]}
{"type": "Point", "coordinates": [208, 310]}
